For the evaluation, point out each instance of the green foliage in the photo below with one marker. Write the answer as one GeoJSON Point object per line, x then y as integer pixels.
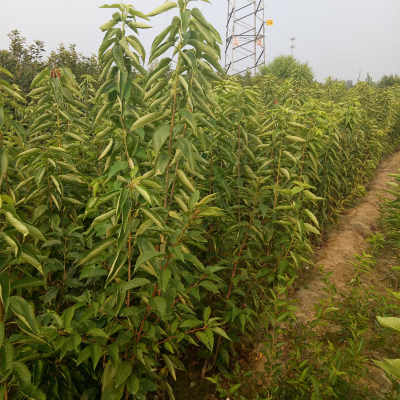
{"type": "Point", "coordinates": [286, 67]}
{"type": "Point", "coordinates": [392, 227]}
{"type": "Point", "coordinates": [145, 215]}
{"type": "Point", "coordinates": [389, 80]}
{"type": "Point", "coordinates": [25, 61]}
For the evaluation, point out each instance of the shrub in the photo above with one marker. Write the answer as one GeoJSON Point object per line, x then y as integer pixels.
{"type": "Point", "coordinates": [146, 220]}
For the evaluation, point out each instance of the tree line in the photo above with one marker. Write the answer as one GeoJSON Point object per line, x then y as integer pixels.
{"type": "Point", "coordinates": [25, 60]}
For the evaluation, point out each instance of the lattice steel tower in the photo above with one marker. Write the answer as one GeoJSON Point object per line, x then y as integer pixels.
{"type": "Point", "coordinates": [245, 36]}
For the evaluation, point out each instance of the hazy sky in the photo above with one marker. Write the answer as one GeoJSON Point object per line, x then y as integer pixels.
{"type": "Point", "coordinates": [341, 38]}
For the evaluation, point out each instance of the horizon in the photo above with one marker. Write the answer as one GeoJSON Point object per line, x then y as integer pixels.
{"type": "Point", "coordinates": [358, 48]}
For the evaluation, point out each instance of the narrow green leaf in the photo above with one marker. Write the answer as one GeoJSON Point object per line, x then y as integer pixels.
{"type": "Point", "coordinates": [97, 251]}
{"type": "Point", "coordinates": [27, 258]}
{"type": "Point", "coordinates": [145, 120]}
{"type": "Point", "coordinates": [24, 311]}
{"type": "Point", "coordinates": [185, 180]}
{"type": "Point", "coordinates": [17, 224]}
{"type": "Point", "coordinates": [97, 332]}
{"type": "Point", "coordinates": [161, 305]}
{"type": "Point", "coordinates": [159, 138]}
{"type": "Point", "coordinates": [134, 283]}
{"type": "Point", "coordinates": [168, 5]}
{"type": "Point", "coordinates": [170, 366]}
{"type": "Point", "coordinates": [219, 331]}
{"type": "Point", "coordinates": [390, 322]}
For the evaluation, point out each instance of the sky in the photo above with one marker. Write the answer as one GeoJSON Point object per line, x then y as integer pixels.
{"type": "Point", "coordinates": [345, 39]}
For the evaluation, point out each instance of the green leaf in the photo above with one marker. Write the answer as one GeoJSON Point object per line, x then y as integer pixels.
{"type": "Point", "coordinates": [67, 317]}
{"type": "Point", "coordinates": [206, 313]}
{"type": "Point", "coordinates": [153, 218]}
{"type": "Point", "coordinates": [170, 366]}
{"type": "Point", "coordinates": [191, 323]}
{"type": "Point", "coordinates": [391, 367]}
{"type": "Point", "coordinates": [145, 120]}
{"type": "Point", "coordinates": [32, 392]}
{"type": "Point", "coordinates": [312, 217]}
{"type": "Point", "coordinates": [144, 193]}
{"type": "Point", "coordinates": [17, 224]}
{"type": "Point", "coordinates": [3, 163]}
{"type": "Point", "coordinates": [134, 283]}
{"type": "Point", "coordinates": [165, 278]}
{"type": "Point", "coordinates": [108, 25]}
{"type": "Point", "coordinates": [133, 384]}
{"type": "Point", "coordinates": [170, 391]}
{"type": "Point", "coordinates": [219, 331]}
{"type": "Point", "coordinates": [35, 233]}
{"type": "Point", "coordinates": [185, 180]}
{"type": "Point", "coordinates": [146, 255]}
{"type": "Point", "coordinates": [124, 371]}
{"type": "Point", "coordinates": [97, 332]}
{"type": "Point", "coordinates": [207, 338]}
{"type": "Point", "coordinates": [311, 228]}
{"type": "Point", "coordinates": [139, 25]}
{"type": "Point", "coordinates": [210, 286]}
{"type": "Point", "coordinates": [102, 218]}
{"type": "Point", "coordinates": [97, 251]}
{"type": "Point", "coordinates": [296, 139]}
{"type": "Point", "coordinates": [159, 137]}
{"type": "Point", "coordinates": [157, 52]}
{"type": "Point", "coordinates": [115, 5]}
{"type": "Point", "coordinates": [84, 355]}
{"type": "Point", "coordinates": [137, 45]}
{"type": "Point", "coordinates": [22, 372]}
{"type": "Point", "coordinates": [107, 379]}
{"type": "Point", "coordinates": [106, 150]}
{"type": "Point", "coordinates": [95, 352]}
{"type": "Point", "coordinates": [6, 72]}
{"type": "Point", "coordinates": [11, 242]}
{"type": "Point", "coordinates": [390, 322]}
{"type": "Point", "coordinates": [168, 5]}
{"type": "Point", "coordinates": [24, 311]}
{"type": "Point", "coordinates": [12, 93]}
{"type": "Point", "coordinates": [211, 212]}
{"type": "Point", "coordinates": [118, 166]}
{"type": "Point", "coordinates": [27, 258]}
{"type": "Point", "coordinates": [161, 305]}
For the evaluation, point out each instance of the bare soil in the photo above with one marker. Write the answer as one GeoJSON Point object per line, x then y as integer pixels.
{"type": "Point", "coordinates": [336, 256]}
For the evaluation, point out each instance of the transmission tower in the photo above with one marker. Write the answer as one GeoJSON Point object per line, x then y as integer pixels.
{"type": "Point", "coordinates": [245, 36]}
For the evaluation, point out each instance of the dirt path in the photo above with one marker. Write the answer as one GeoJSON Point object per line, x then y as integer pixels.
{"type": "Point", "coordinates": [336, 256]}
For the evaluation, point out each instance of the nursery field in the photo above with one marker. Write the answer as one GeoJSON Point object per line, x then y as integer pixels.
{"type": "Point", "coordinates": [148, 214]}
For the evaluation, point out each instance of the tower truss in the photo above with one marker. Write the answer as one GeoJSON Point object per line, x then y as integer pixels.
{"type": "Point", "coordinates": [245, 36]}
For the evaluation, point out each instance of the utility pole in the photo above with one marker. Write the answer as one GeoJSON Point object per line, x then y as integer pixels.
{"type": "Point", "coordinates": [292, 45]}
{"type": "Point", "coordinates": [245, 47]}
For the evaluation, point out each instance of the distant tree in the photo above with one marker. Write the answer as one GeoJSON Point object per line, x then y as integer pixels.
{"type": "Point", "coordinates": [22, 60]}
{"type": "Point", "coordinates": [370, 80]}
{"type": "Point", "coordinates": [25, 60]}
{"type": "Point", "coordinates": [69, 57]}
{"type": "Point", "coordinates": [389, 80]}
{"type": "Point", "coordinates": [285, 67]}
